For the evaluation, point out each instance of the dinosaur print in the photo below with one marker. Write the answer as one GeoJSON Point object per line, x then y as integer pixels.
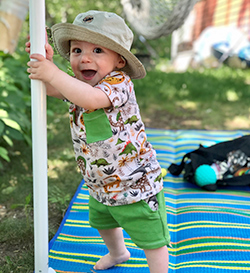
{"type": "Point", "coordinates": [142, 150]}
{"type": "Point", "coordinates": [81, 163]}
{"type": "Point", "coordinates": [114, 79]}
{"type": "Point", "coordinates": [142, 184]}
{"type": "Point", "coordinates": [158, 178]}
{"type": "Point", "coordinates": [119, 141]}
{"type": "Point", "coordinates": [119, 122]}
{"type": "Point", "coordinates": [100, 162]}
{"type": "Point", "coordinates": [141, 169]}
{"type": "Point", "coordinates": [131, 120]}
{"type": "Point", "coordinates": [113, 186]}
{"type": "Point", "coordinates": [128, 148]}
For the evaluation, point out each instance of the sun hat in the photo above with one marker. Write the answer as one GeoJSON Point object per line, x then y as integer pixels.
{"type": "Point", "coordinates": [102, 28]}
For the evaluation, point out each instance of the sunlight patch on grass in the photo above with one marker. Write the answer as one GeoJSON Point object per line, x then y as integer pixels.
{"type": "Point", "coordinates": [240, 122]}
{"type": "Point", "coordinates": [188, 105]}
{"type": "Point", "coordinates": [55, 166]}
{"type": "Point", "coordinates": [247, 81]}
{"type": "Point", "coordinates": [192, 123]}
{"type": "Point", "coordinates": [232, 95]}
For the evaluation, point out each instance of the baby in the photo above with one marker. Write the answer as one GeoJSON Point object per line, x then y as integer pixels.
{"type": "Point", "coordinates": [117, 162]}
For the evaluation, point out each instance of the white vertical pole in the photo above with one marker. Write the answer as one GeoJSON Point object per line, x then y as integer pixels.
{"type": "Point", "coordinates": [39, 141]}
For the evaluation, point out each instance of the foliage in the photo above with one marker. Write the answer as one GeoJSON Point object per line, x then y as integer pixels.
{"type": "Point", "coordinates": [59, 197]}
{"type": "Point", "coordinates": [14, 102]}
{"type": "Point", "coordinates": [65, 11]}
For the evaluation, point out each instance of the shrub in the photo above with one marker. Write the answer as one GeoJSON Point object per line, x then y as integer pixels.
{"type": "Point", "coordinates": [14, 102]}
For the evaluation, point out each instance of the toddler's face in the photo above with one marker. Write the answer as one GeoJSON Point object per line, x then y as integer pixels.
{"type": "Point", "coordinates": [91, 63]}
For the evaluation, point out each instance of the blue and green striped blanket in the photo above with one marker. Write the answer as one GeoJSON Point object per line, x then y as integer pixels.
{"type": "Point", "coordinates": [210, 231]}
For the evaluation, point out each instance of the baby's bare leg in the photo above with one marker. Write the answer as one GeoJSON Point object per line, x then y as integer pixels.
{"type": "Point", "coordinates": [118, 252]}
{"type": "Point", "coordinates": [157, 259]}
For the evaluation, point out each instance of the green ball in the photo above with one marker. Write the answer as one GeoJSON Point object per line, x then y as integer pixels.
{"type": "Point", "coordinates": [205, 175]}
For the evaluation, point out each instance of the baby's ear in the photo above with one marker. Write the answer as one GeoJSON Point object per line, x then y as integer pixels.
{"type": "Point", "coordinates": [122, 62]}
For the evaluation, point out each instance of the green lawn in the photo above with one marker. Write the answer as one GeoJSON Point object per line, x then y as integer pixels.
{"type": "Point", "coordinates": [203, 99]}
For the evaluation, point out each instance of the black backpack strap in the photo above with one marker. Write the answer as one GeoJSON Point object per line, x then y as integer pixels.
{"type": "Point", "coordinates": [176, 169]}
{"type": "Point", "coordinates": [206, 158]}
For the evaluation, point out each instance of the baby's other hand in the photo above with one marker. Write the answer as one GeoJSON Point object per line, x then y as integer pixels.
{"type": "Point", "coordinates": [27, 47]}
{"type": "Point", "coordinates": [49, 52]}
{"type": "Point", "coordinates": [48, 49]}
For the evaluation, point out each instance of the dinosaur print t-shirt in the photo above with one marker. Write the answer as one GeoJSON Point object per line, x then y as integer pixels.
{"type": "Point", "coordinates": [117, 162]}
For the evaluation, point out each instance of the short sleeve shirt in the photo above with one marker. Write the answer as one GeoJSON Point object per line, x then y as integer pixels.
{"type": "Point", "coordinates": [117, 162]}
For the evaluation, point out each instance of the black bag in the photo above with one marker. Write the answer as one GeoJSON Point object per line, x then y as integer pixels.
{"type": "Point", "coordinates": [230, 161]}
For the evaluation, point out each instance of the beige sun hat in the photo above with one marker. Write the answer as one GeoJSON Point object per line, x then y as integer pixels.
{"type": "Point", "coordinates": [102, 28]}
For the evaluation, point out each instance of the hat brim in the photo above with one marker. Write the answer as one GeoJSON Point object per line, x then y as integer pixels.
{"type": "Point", "coordinates": [64, 32]}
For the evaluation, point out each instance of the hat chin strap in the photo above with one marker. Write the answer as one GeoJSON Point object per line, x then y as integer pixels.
{"type": "Point", "coordinates": [124, 59]}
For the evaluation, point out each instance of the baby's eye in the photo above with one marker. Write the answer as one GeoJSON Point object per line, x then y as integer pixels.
{"type": "Point", "coordinates": [76, 50]}
{"type": "Point", "coordinates": [98, 50]}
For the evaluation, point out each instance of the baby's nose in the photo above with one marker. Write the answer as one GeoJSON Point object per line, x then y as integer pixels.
{"type": "Point", "coordinates": [86, 57]}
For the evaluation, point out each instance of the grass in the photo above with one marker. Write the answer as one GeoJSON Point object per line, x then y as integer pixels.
{"type": "Point", "coordinates": [16, 245]}
{"type": "Point", "coordinates": [200, 99]}
{"type": "Point", "coordinates": [16, 240]}
{"type": "Point", "coordinates": [204, 99]}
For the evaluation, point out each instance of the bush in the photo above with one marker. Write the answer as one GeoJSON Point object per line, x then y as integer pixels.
{"type": "Point", "coordinates": [14, 102]}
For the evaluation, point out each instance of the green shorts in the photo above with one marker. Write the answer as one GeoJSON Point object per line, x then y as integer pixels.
{"type": "Point", "coordinates": [147, 229]}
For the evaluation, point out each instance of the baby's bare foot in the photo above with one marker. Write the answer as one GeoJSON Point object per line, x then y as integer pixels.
{"type": "Point", "coordinates": [108, 261]}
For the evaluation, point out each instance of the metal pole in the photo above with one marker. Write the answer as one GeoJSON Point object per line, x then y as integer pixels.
{"type": "Point", "coordinates": [39, 142]}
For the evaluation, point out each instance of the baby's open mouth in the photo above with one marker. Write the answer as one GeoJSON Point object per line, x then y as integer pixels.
{"type": "Point", "coordinates": [88, 74]}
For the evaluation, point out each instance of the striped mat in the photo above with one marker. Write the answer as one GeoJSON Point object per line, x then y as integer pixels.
{"type": "Point", "coordinates": [210, 231]}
